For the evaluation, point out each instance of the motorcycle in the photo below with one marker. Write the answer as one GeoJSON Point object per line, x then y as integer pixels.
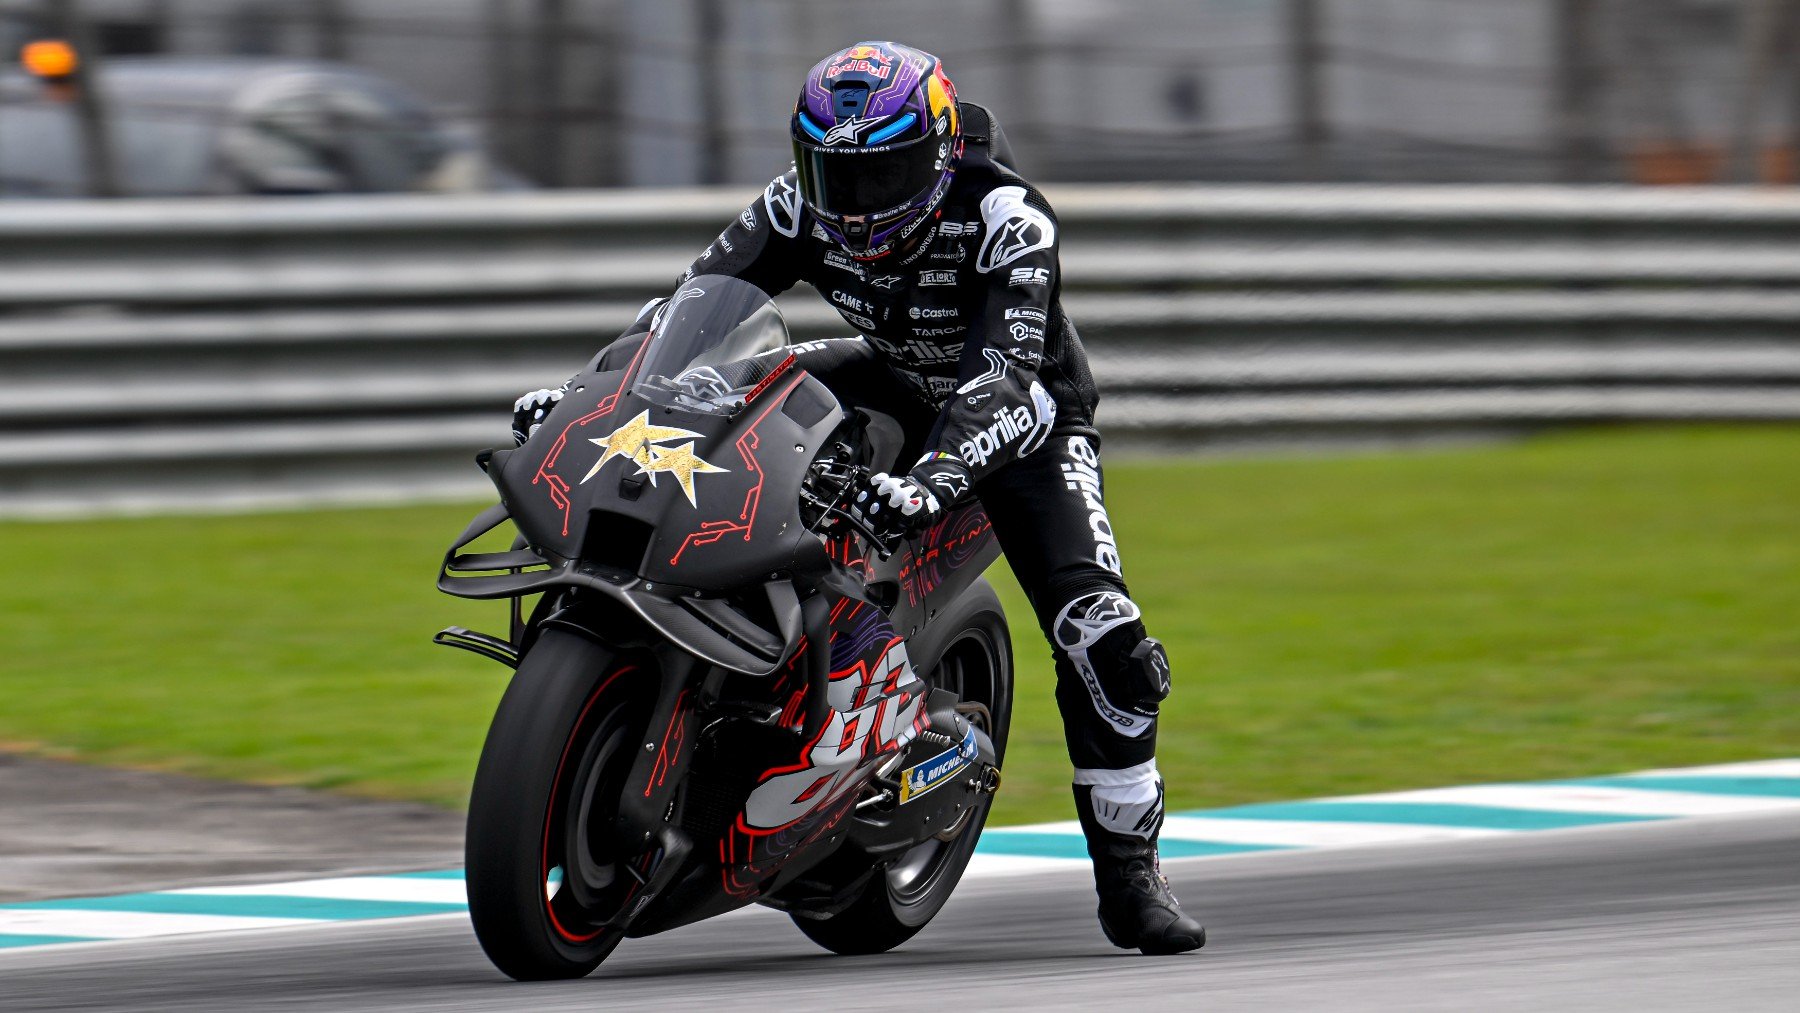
{"type": "Point", "coordinates": [727, 690]}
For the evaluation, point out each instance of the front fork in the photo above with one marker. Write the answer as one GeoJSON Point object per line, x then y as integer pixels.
{"type": "Point", "coordinates": [642, 825]}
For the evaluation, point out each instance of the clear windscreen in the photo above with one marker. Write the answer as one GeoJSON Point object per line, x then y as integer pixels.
{"type": "Point", "coordinates": [699, 339]}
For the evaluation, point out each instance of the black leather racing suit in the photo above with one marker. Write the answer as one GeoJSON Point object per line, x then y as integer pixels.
{"type": "Point", "coordinates": [965, 343]}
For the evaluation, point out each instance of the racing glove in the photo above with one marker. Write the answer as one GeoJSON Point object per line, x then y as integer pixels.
{"type": "Point", "coordinates": [895, 505]}
{"type": "Point", "coordinates": [530, 410]}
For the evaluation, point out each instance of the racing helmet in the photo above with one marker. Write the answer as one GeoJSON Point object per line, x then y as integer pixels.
{"type": "Point", "coordinates": [876, 140]}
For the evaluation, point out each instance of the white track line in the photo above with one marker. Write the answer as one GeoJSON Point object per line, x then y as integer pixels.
{"type": "Point", "coordinates": [1575, 798]}
{"type": "Point", "coordinates": [1306, 834]}
{"type": "Point", "coordinates": [128, 924]}
{"type": "Point", "coordinates": [376, 888]}
{"type": "Point", "coordinates": [983, 864]}
{"type": "Point", "coordinates": [1570, 798]}
{"type": "Point", "coordinates": [1279, 833]}
{"type": "Point", "coordinates": [1750, 768]}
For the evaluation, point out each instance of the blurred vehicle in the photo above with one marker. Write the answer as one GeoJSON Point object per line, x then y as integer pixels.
{"type": "Point", "coordinates": [220, 126]}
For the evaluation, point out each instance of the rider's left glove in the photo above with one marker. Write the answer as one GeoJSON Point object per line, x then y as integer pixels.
{"type": "Point", "coordinates": [530, 410]}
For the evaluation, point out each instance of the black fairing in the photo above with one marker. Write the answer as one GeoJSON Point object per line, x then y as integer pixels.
{"type": "Point", "coordinates": [617, 540]}
{"type": "Point", "coordinates": [742, 526]}
{"type": "Point", "coordinates": [935, 567]}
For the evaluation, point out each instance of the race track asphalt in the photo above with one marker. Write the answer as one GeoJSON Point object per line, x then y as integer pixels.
{"type": "Point", "coordinates": [1699, 914]}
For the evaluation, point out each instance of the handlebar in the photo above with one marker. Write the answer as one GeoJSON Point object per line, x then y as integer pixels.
{"type": "Point", "coordinates": [849, 479]}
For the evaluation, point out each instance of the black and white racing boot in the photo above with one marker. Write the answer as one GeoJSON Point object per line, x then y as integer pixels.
{"type": "Point", "coordinates": [1137, 909]}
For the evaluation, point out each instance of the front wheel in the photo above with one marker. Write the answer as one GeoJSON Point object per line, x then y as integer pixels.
{"type": "Point", "coordinates": [898, 901]}
{"type": "Point", "coordinates": [543, 878]}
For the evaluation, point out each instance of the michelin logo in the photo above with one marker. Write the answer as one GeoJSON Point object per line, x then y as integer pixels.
{"type": "Point", "coordinates": [937, 771]}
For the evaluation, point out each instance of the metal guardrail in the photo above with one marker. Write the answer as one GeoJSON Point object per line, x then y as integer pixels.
{"type": "Point", "coordinates": [224, 353]}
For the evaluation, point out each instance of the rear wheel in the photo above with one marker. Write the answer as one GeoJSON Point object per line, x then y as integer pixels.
{"type": "Point", "coordinates": [899, 900]}
{"type": "Point", "coordinates": [543, 875]}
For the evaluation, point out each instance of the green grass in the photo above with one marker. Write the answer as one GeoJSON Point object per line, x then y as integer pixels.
{"type": "Point", "coordinates": [1581, 603]}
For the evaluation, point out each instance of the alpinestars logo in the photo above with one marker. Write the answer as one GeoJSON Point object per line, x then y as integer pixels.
{"type": "Point", "coordinates": [887, 281]}
{"type": "Point", "coordinates": [1015, 238]}
{"type": "Point", "coordinates": [1015, 228]}
{"type": "Point", "coordinates": [1077, 629]}
{"type": "Point", "coordinates": [953, 484]}
{"type": "Point", "coordinates": [782, 202]}
{"type": "Point", "coordinates": [637, 440]}
{"type": "Point", "coordinates": [1081, 474]}
{"type": "Point", "coordinates": [848, 132]}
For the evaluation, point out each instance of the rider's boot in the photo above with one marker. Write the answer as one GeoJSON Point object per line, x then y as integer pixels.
{"type": "Point", "coordinates": [1137, 909]}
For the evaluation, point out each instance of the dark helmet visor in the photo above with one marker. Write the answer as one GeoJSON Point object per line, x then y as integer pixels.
{"type": "Point", "coordinates": [858, 181]}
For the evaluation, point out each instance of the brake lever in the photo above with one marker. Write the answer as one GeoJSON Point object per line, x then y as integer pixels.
{"type": "Point", "coordinates": [883, 549]}
{"type": "Point", "coordinates": [856, 478]}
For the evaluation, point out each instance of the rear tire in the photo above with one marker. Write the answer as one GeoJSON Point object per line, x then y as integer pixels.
{"type": "Point", "coordinates": [898, 901]}
{"type": "Point", "coordinates": [540, 873]}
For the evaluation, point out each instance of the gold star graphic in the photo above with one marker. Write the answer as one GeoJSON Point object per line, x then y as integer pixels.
{"type": "Point", "coordinates": [633, 441]}
{"type": "Point", "coordinates": [682, 463]}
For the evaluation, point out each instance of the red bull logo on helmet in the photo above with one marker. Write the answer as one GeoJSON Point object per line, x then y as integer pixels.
{"type": "Point", "coordinates": [862, 60]}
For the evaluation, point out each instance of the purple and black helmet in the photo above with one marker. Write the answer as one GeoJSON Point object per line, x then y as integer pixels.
{"type": "Point", "coordinates": [876, 139]}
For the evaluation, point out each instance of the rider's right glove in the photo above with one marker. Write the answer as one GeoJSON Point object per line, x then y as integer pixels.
{"type": "Point", "coordinates": [894, 505]}
{"type": "Point", "coordinates": [530, 411]}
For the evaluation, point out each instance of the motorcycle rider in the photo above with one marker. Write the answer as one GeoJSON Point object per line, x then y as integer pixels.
{"type": "Point", "coordinates": [901, 211]}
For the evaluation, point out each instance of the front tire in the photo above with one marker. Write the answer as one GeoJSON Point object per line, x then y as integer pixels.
{"type": "Point", "coordinates": [542, 878]}
{"type": "Point", "coordinates": [901, 899]}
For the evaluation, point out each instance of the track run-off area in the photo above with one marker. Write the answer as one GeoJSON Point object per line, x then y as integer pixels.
{"type": "Point", "coordinates": [1672, 889]}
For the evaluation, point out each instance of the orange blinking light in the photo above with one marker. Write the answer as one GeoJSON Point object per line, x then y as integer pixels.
{"type": "Point", "coordinates": [52, 59]}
